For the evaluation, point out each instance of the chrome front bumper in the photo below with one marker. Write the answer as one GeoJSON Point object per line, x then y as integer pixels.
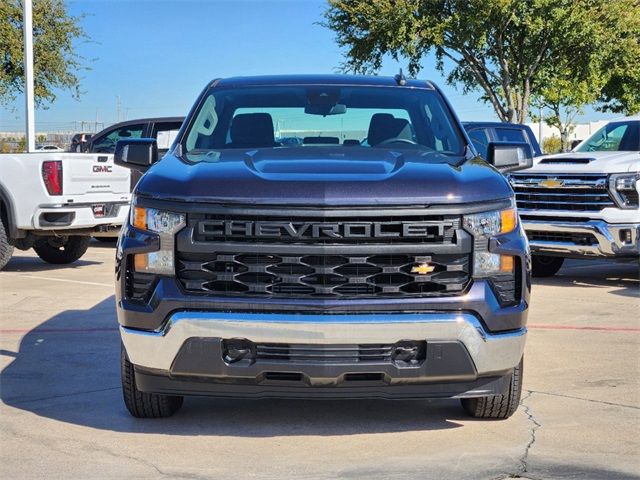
{"type": "Point", "coordinates": [611, 240]}
{"type": "Point", "coordinates": [489, 352]}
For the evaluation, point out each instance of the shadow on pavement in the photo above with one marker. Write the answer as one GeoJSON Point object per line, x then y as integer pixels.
{"type": "Point", "coordinates": [624, 278]}
{"type": "Point", "coordinates": [34, 264]}
{"type": "Point", "coordinates": [104, 242]}
{"type": "Point", "coordinates": [67, 369]}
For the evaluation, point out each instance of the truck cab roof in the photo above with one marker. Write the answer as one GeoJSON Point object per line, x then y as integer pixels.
{"type": "Point", "coordinates": [320, 79]}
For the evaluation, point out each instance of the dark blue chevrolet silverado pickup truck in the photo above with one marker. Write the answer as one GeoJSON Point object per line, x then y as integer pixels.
{"type": "Point", "coordinates": [378, 256]}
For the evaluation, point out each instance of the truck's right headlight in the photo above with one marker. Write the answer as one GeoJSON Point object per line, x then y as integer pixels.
{"type": "Point", "coordinates": [165, 225]}
{"type": "Point", "coordinates": [624, 189]}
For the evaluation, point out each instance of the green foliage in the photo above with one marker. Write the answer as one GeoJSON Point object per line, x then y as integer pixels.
{"type": "Point", "coordinates": [551, 144]}
{"type": "Point", "coordinates": [513, 51]}
{"type": "Point", "coordinates": [611, 72]}
{"type": "Point", "coordinates": [56, 65]}
{"type": "Point", "coordinates": [22, 145]}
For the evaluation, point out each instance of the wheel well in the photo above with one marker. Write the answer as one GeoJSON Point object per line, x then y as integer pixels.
{"type": "Point", "coordinates": [4, 215]}
{"type": "Point", "coordinates": [7, 214]}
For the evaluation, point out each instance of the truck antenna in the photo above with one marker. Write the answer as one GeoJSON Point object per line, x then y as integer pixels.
{"type": "Point", "coordinates": [400, 78]}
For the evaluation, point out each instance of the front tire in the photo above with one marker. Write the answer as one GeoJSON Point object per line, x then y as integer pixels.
{"type": "Point", "coordinates": [6, 249]}
{"type": "Point", "coordinates": [62, 250]}
{"type": "Point", "coordinates": [497, 407]}
{"type": "Point", "coordinates": [143, 404]}
{"type": "Point", "coordinates": [544, 266]}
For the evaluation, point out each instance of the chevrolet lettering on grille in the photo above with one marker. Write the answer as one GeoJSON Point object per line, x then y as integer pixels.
{"type": "Point", "coordinates": [320, 230]}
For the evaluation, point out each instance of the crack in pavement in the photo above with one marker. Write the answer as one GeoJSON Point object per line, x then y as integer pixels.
{"type": "Point", "coordinates": [55, 446]}
{"type": "Point", "coordinates": [584, 399]}
{"type": "Point", "coordinates": [65, 395]}
{"type": "Point", "coordinates": [524, 467]}
{"type": "Point", "coordinates": [142, 461]}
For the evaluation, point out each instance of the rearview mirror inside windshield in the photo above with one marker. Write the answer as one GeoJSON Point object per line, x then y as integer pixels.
{"type": "Point", "coordinates": [325, 109]}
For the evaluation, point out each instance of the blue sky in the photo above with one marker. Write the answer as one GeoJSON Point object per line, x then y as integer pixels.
{"type": "Point", "coordinates": [156, 56]}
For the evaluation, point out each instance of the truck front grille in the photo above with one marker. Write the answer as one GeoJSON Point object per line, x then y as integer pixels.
{"type": "Point", "coordinates": [584, 193]}
{"type": "Point", "coordinates": [321, 275]}
{"type": "Point", "coordinates": [328, 255]}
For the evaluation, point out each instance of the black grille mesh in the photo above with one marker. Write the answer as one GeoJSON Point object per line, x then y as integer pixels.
{"type": "Point", "coordinates": [322, 275]}
{"type": "Point", "coordinates": [569, 237]}
{"type": "Point", "coordinates": [282, 352]}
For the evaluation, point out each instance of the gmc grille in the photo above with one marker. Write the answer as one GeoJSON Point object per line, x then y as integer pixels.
{"type": "Point", "coordinates": [561, 192]}
{"type": "Point", "coordinates": [333, 257]}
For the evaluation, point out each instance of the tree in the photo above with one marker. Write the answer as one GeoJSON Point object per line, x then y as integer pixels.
{"type": "Point", "coordinates": [508, 49]}
{"type": "Point", "coordinates": [56, 64]}
{"type": "Point", "coordinates": [612, 82]}
{"type": "Point", "coordinates": [551, 144]}
{"type": "Point", "coordinates": [565, 101]}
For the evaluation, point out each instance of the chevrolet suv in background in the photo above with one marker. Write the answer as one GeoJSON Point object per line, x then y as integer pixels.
{"type": "Point", "coordinates": [584, 204]}
{"type": "Point", "coordinates": [381, 257]}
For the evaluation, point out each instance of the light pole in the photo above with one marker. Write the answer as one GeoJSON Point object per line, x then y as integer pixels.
{"type": "Point", "coordinates": [27, 27]}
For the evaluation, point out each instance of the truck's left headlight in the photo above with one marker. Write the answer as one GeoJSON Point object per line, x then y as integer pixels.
{"type": "Point", "coordinates": [165, 225]}
{"type": "Point", "coordinates": [490, 224]}
{"type": "Point", "coordinates": [483, 226]}
{"type": "Point", "coordinates": [624, 188]}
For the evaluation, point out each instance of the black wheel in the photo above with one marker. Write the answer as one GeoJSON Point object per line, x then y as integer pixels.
{"type": "Point", "coordinates": [142, 404]}
{"type": "Point", "coordinates": [6, 249]}
{"type": "Point", "coordinates": [498, 406]}
{"type": "Point", "coordinates": [107, 239]}
{"type": "Point", "coordinates": [60, 250]}
{"type": "Point", "coordinates": [544, 266]}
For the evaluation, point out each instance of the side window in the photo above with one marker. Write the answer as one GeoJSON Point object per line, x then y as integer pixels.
{"type": "Point", "coordinates": [480, 139]}
{"type": "Point", "coordinates": [165, 133]}
{"type": "Point", "coordinates": [107, 143]}
{"type": "Point", "coordinates": [510, 135]}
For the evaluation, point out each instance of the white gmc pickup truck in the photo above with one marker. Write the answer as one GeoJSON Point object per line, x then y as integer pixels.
{"type": "Point", "coordinates": [54, 201]}
{"type": "Point", "coordinates": [584, 204]}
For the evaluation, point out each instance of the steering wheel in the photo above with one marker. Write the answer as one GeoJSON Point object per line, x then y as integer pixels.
{"type": "Point", "coordinates": [396, 140]}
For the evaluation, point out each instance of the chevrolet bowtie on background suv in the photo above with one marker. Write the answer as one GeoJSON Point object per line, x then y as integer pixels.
{"type": "Point", "coordinates": [323, 237]}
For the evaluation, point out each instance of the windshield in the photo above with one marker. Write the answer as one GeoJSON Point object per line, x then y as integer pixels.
{"type": "Point", "coordinates": [328, 116]}
{"type": "Point", "coordinates": [621, 136]}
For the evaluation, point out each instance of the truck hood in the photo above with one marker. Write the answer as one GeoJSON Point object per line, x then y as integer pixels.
{"type": "Point", "coordinates": [323, 176]}
{"type": "Point", "coordinates": [587, 162]}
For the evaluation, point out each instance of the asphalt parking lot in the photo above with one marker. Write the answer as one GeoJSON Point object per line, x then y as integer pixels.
{"type": "Point", "coordinates": [62, 414]}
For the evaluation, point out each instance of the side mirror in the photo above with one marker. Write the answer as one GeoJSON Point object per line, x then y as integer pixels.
{"type": "Point", "coordinates": [509, 156]}
{"type": "Point", "coordinates": [575, 143]}
{"type": "Point", "coordinates": [136, 153]}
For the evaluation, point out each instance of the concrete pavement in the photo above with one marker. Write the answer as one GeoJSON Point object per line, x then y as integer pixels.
{"type": "Point", "coordinates": [62, 414]}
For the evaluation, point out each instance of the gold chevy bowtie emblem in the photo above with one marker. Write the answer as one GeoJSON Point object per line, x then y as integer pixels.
{"type": "Point", "coordinates": [551, 183]}
{"type": "Point", "coordinates": [423, 269]}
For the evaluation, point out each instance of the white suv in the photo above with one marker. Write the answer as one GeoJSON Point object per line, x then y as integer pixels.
{"type": "Point", "coordinates": [584, 203]}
